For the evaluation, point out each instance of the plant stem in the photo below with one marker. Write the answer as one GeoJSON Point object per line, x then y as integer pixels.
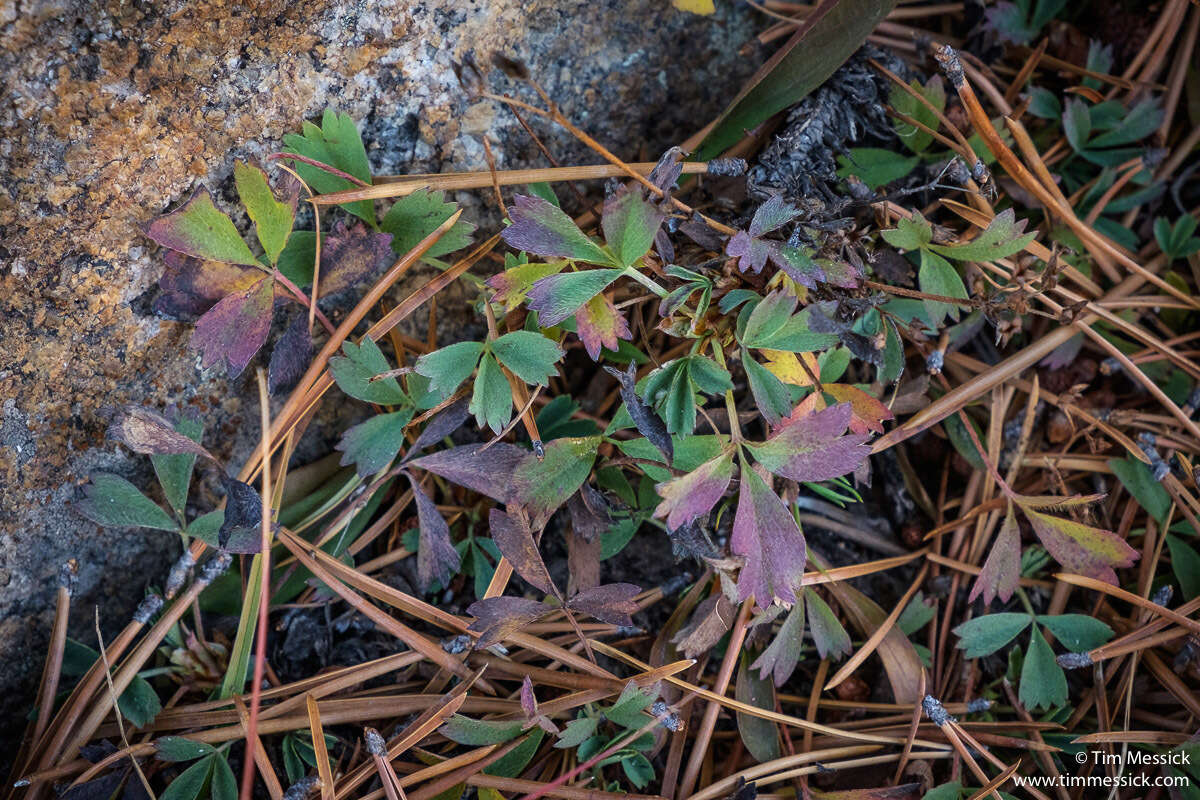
{"type": "Point", "coordinates": [645, 281]}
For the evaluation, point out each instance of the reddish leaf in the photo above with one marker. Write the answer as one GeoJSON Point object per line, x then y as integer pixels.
{"type": "Point", "coordinates": [514, 537]}
{"type": "Point", "coordinates": [612, 603]}
{"type": "Point", "coordinates": [1000, 572]}
{"type": "Point", "coordinates": [291, 355]}
{"type": "Point", "coordinates": [144, 431]}
{"type": "Point", "coordinates": [693, 495]}
{"type": "Point", "coordinates": [812, 448]}
{"type": "Point", "coordinates": [583, 562]}
{"type": "Point", "coordinates": [198, 229]}
{"type": "Point", "coordinates": [591, 514]}
{"type": "Point", "coordinates": [497, 617]}
{"type": "Point", "coordinates": [488, 472]}
{"type": "Point", "coordinates": [600, 325]}
{"type": "Point", "coordinates": [189, 286]}
{"type": "Point", "coordinates": [1082, 549]}
{"type": "Point", "coordinates": [767, 536]}
{"type": "Point", "coordinates": [528, 701]}
{"type": "Point", "coordinates": [869, 413]}
{"type": "Point", "coordinates": [514, 283]}
{"type": "Point", "coordinates": [351, 254]}
{"type": "Point", "coordinates": [436, 556]}
{"type": "Point", "coordinates": [234, 329]}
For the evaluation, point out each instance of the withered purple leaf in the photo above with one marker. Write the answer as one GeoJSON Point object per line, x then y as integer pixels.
{"type": "Point", "coordinates": [612, 602]}
{"type": "Point", "coordinates": [242, 525]}
{"type": "Point", "coordinates": [351, 254]}
{"type": "Point", "coordinates": [190, 286]}
{"type": "Point", "coordinates": [436, 556]}
{"type": "Point", "coordinates": [648, 422]}
{"type": "Point", "coordinates": [291, 355]}
{"type": "Point", "coordinates": [513, 535]}
{"type": "Point", "coordinates": [690, 541]}
{"type": "Point", "coordinates": [488, 472]}
{"type": "Point", "coordinates": [233, 330]}
{"type": "Point", "coordinates": [710, 621]}
{"type": "Point", "coordinates": [442, 424]}
{"type": "Point", "coordinates": [783, 653]}
{"type": "Point", "coordinates": [692, 495]}
{"type": "Point", "coordinates": [583, 562]}
{"type": "Point", "coordinates": [497, 617]}
{"type": "Point", "coordinates": [767, 536]}
{"type": "Point", "coordinates": [591, 514]}
{"type": "Point", "coordinates": [148, 432]}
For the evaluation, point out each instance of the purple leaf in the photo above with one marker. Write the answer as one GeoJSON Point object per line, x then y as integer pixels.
{"type": "Point", "coordinates": [1002, 569]}
{"type": "Point", "coordinates": [497, 617]}
{"type": "Point", "coordinates": [543, 229]}
{"type": "Point", "coordinates": [144, 431]}
{"type": "Point", "coordinates": [693, 495]}
{"type": "Point", "coordinates": [812, 448]}
{"type": "Point", "coordinates": [351, 254]}
{"type": "Point", "coordinates": [751, 253]}
{"type": "Point", "coordinates": [442, 424]}
{"type": "Point", "coordinates": [557, 297]}
{"type": "Point", "coordinates": [528, 701]}
{"type": "Point", "coordinates": [241, 529]}
{"type": "Point", "coordinates": [766, 535]}
{"type": "Point", "coordinates": [612, 603]}
{"type": "Point", "coordinates": [488, 472]}
{"type": "Point", "coordinates": [514, 537]}
{"type": "Point", "coordinates": [291, 356]}
{"type": "Point", "coordinates": [648, 423]}
{"type": "Point", "coordinates": [189, 286]}
{"type": "Point", "coordinates": [630, 224]}
{"type": "Point", "coordinates": [600, 325]}
{"type": "Point", "coordinates": [591, 514]}
{"type": "Point", "coordinates": [436, 556]}
{"type": "Point", "coordinates": [234, 329]}
{"type": "Point", "coordinates": [199, 229]}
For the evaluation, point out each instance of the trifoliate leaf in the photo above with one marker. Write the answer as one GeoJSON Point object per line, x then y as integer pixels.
{"type": "Point", "coordinates": [450, 366]}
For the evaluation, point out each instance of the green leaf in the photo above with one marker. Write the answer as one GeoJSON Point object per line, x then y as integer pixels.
{"type": "Point", "coordinates": [178, 748]}
{"type": "Point", "coordinates": [542, 486]}
{"type": "Point", "coordinates": [199, 230]}
{"type": "Point", "coordinates": [114, 502]}
{"type": "Point", "coordinates": [1186, 565]}
{"type": "Point", "coordinates": [875, 166]}
{"type": "Point", "coordinates": [638, 769]}
{"type": "Point", "coordinates": [511, 765]}
{"type": "Point", "coordinates": [630, 224]}
{"type": "Point", "coordinates": [831, 32]}
{"type": "Point", "coordinates": [174, 471]}
{"type": "Point", "coordinates": [190, 782]}
{"type": "Point", "coordinates": [139, 703]}
{"type": "Point", "coordinates": [773, 398]}
{"type": "Point", "coordinates": [914, 138]}
{"type": "Point", "coordinates": [529, 356]}
{"type": "Point", "coordinates": [910, 234]}
{"type": "Point", "coordinates": [298, 256]}
{"type": "Point", "coordinates": [412, 218]}
{"type": "Point", "coordinates": [576, 732]}
{"type": "Point", "coordinates": [557, 297]}
{"type": "Point", "coordinates": [450, 366]}
{"type": "Point", "coordinates": [491, 400]}
{"type": "Point", "coordinates": [1043, 682]}
{"type": "Point", "coordinates": [338, 144]}
{"type": "Point", "coordinates": [1137, 478]}
{"type": "Point", "coordinates": [373, 444]}
{"type": "Point", "coordinates": [987, 634]}
{"type": "Point", "coordinates": [947, 791]}
{"type": "Point", "coordinates": [760, 736]}
{"type": "Point", "coordinates": [938, 277]}
{"type": "Point", "coordinates": [272, 219]}
{"type": "Point", "coordinates": [206, 526]}
{"type": "Point", "coordinates": [224, 785]}
{"type": "Point", "coordinates": [627, 710]}
{"type": "Point", "coordinates": [1001, 239]}
{"type": "Point", "coordinates": [362, 362]}
{"type": "Point", "coordinates": [478, 733]}
{"type": "Point", "coordinates": [1077, 632]}
{"type": "Point", "coordinates": [916, 615]}
{"type": "Point", "coordinates": [828, 633]}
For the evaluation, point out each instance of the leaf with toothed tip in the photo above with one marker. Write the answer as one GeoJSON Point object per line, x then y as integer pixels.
{"type": "Point", "coordinates": [335, 142]}
{"type": "Point", "coordinates": [544, 229]}
{"type": "Point", "coordinates": [693, 495]}
{"type": "Point", "coordinates": [272, 219]}
{"type": "Point", "coordinates": [498, 617]}
{"type": "Point", "coordinates": [415, 216]}
{"type": "Point", "coordinates": [766, 535]}
{"type": "Point", "coordinates": [1002, 238]}
{"type": "Point", "coordinates": [449, 366]}
{"type": "Point", "coordinates": [540, 487]}
{"type": "Point", "coordinates": [557, 297]}
{"type": "Point", "coordinates": [373, 444]}
{"type": "Point", "coordinates": [828, 633]}
{"type": "Point", "coordinates": [114, 502]}
{"type": "Point", "coordinates": [489, 472]}
{"type": "Point", "coordinates": [436, 557]}
{"type": "Point", "coordinates": [783, 653]}
{"type": "Point", "coordinates": [491, 397]}
{"type": "Point", "coordinates": [241, 528]}
{"type": "Point", "coordinates": [350, 254]}
{"type": "Point", "coordinates": [600, 325]}
{"type": "Point", "coordinates": [1080, 548]}
{"type": "Point", "coordinates": [813, 447]}
{"type": "Point", "coordinates": [868, 413]}
{"type": "Point", "coordinates": [530, 356]}
{"type": "Point", "coordinates": [514, 283]}
{"type": "Point", "coordinates": [354, 373]}
{"type": "Point", "coordinates": [291, 355]}
{"type": "Point", "coordinates": [612, 603]}
{"type": "Point", "coordinates": [200, 230]}
{"type": "Point", "coordinates": [514, 537]}
{"type": "Point", "coordinates": [1002, 569]}
{"type": "Point", "coordinates": [771, 397]}
{"type": "Point", "coordinates": [233, 330]}
{"type": "Point", "coordinates": [630, 224]}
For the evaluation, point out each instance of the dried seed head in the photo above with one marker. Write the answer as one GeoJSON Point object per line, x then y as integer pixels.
{"type": "Point", "coordinates": [727, 167]}
{"type": "Point", "coordinates": [300, 789]}
{"type": "Point", "coordinates": [978, 705]}
{"type": "Point", "coordinates": [950, 64]}
{"type": "Point", "coordinates": [667, 718]}
{"type": "Point", "coordinates": [1074, 660]}
{"type": "Point", "coordinates": [151, 604]}
{"type": "Point", "coordinates": [1110, 366]}
{"type": "Point", "coordinates": [935, 361]}
{"type": "Point", "coordinates": [1193, 402]}
{"type": "Point", "coordinates": [1163, 595]}
{"type": "Point", "coordinates": [179, 573]}
{"type": "Point", "coordinates": [456, 644]}
{"type": "Point", "coordinates": [935, 711]}
{"type": "Point", "coordinates": [214, 567]}
{"type": "Point", "coordinates": [68, 576]}
{"type": "Point", "coordinates": [375, 744]}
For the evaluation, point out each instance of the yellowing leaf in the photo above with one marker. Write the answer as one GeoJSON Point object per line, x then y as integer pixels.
{"type": "Point", "coordinates": [787, 367]}
{"type": "Point", "coordinates": [869, 413]}
{"type": "Point", "coordinates": [703, 7]}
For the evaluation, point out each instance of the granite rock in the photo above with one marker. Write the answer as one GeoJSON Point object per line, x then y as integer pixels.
{"type": "Point", "coordinates": [115, 111]}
